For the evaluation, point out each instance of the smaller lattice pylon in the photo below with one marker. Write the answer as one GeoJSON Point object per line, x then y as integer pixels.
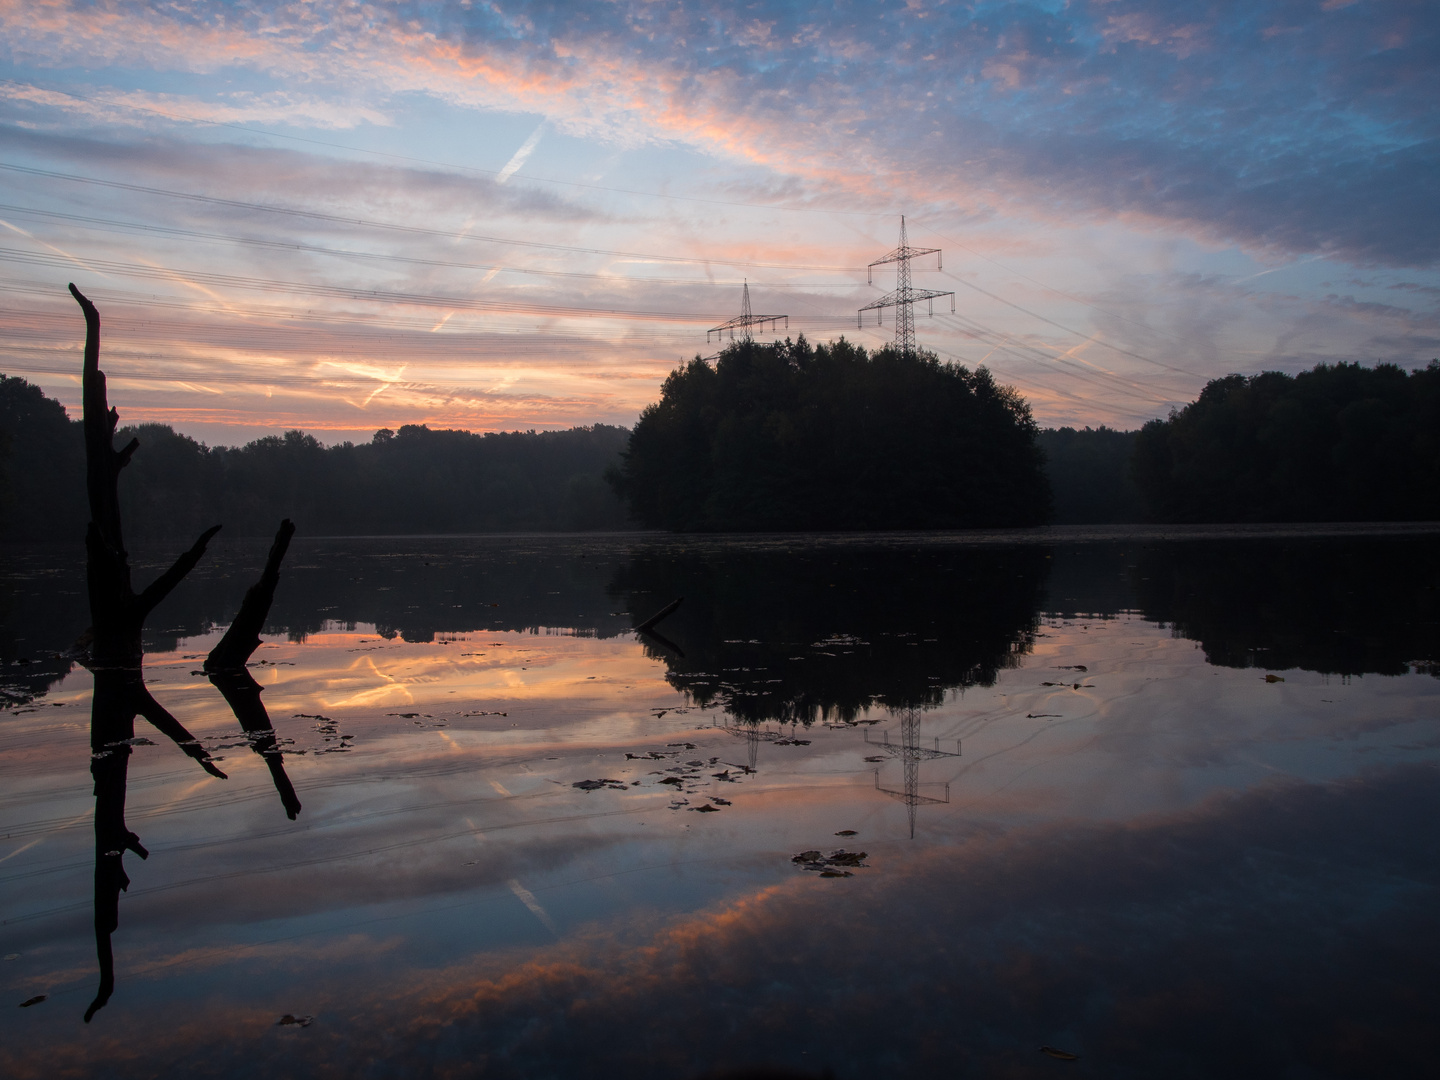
{"type": "Point", "coordinates": [745, 321]}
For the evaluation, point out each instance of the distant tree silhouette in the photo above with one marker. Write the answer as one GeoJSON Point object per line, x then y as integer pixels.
{"type": "Point", "coordinates": [1090, 475]}
{"type": "Point", "coordinates": [1338, 443]}
{"type": "Point", "coordinates": [787, 436]}
{"type": "Point", "coordinates": [42, 466]}
{"type": "Point", "coordinates": [416, 480]}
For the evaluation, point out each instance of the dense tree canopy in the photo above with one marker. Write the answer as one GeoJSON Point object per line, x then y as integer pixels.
{"type": "Point", "coordinates": [42, 466]}
{"type": "Point", "coordinates": [787, 436]}
{"type": "Point", "coordinates": [1090, 475]}
{"type": "Point", "coordinates": [1338, 443]}
{"type": "Point", "coordinates": [412, 481]}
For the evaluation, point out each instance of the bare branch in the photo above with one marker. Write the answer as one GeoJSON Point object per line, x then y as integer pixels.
{"type": "Point", "coordinates": [161, 586]}
{"type": "Point", "coordinates": [243, 637]}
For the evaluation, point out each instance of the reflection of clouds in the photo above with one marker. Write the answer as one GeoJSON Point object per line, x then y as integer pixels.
{"type": "Point", "coordinates": [1129, 939]}
{"type": "Point", "coordinates": [1287, 928]}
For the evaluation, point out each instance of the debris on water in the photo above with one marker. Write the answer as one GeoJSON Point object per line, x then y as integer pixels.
{"type": "Point", "coordinates": [719, 801]}
{"type": "Point", "coordinates": [876, 757]}
{"type": "Point", "coordinates": [725, 777]}
{"type": "Point", "coordinates": [592, 785]}
{"type": "Point", "coordinates": [12, 956]}
{"type": "Point", "coordinates": [684, 745]}
{"type": "Point", "coordinates": [832, 865]}
{"type": "Point", "coordinates": [1071, 667]}
{"type": "Point", "coordinates": [1274, 678]}
{"type": "Point", "coordinates": [33, 1001]}
{"type": "Point", "coordinates": [792, 742]}
{"type": "Point", "coordinates": [706, 809]}
{"type": "Point", "coordinates": [674, 781]}
{"type": "Point", "coordinates": [1041, 716]}
{"type": "Point", "coordinates": [1061, 1055]}
{"type": "Point", "coordinates": [299, 1021]}
{"type": "Point", "coordinates": [846, 832]}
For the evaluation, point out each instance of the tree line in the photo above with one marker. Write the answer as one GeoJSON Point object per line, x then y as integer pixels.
{"type": "Point", "coordinates": [414, 480]}
{"type": "Point", "coordinates": [1340, 442]}
{"type": "Point", "coordinates": [780, 437]}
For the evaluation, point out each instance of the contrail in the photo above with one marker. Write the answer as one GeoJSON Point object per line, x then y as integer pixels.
{"type": "Point", "coordinates": [527, 898]}
{"type": "Point", "coordinates": [526, 149]}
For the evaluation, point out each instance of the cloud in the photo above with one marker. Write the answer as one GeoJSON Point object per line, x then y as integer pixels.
{"type": "Point", "coordinates": [1320, 138]}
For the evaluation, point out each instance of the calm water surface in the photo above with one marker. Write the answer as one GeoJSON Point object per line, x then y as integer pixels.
{"type": "Point", "coordinates": [1165, 802]}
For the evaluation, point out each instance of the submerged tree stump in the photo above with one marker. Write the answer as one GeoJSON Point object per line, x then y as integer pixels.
{"type": "Point", "coordinates": [117, 616]}
{"type": "Point", "coordinates": [227, 671]}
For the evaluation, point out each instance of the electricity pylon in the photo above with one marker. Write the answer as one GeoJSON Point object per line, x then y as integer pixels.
{"type": "Point", "coordinates": [905, 294]}
{"type": "Point", "coordinates": [911, 753]}
{"type": "Point", "coordinates": [745, 321]}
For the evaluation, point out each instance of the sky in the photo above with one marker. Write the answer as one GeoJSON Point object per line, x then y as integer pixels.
{"type": "Point", "coordinates": [496, 216]}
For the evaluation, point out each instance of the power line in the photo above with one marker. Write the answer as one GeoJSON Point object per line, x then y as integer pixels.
{"type": "Point", "coordinates": [1058, 292]}
{"type": "Point", "coordinates": [418, 230]}
{"type": "Point", "coordinates": [447, 164]}
{"type": "Point", "coordinates": [281, 245]}
{"type": "Point", "coordinates": [1077, 333]}
{"type": "Point", "coordinates": [103, 266]}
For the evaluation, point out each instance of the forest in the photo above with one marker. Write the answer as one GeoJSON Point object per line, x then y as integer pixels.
{"type": "Point", "coordinates": [1340, 442]}
{"type": "Point", "coordinates": [411, 481]}
{"type": "Point", "coordinates": [794, 437]}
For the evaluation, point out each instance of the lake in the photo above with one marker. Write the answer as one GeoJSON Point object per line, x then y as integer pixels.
{"type": "Point", "coordinates": [1163, 802]}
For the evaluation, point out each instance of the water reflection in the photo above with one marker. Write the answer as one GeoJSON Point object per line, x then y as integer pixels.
{"type": "Point", "coordinates": [648, 795]}
{"type": "Point", "coordinates": [1341, 606]}
{"type": "Point", "coordinates": [120, 693]}
{"type": "Point", "coordinates": [777, 635]}
{"type": "Point", "coordinates": [910, 753]}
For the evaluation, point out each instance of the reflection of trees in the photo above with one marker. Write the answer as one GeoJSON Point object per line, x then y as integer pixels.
{"type": "Point", "coordinates": [799, 632]}
{"type": "Point", "coordinates": [1339, 605]}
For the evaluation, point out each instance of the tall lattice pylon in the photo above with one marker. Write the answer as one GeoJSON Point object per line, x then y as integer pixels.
{"type": "Point", "coordinates": [905, 293]}
{"type": "Point", "coordinates": [746, 320]}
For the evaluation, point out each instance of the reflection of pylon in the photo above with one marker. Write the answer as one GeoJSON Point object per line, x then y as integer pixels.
{"type": "Point", "coordinates": [753, 735]}
{"type": "Point", "coordinates": [911, 753]}
{"type": "Point", "coordinates": [904, 294]}
{"type": "Point", "coordinates": [746, 320]}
